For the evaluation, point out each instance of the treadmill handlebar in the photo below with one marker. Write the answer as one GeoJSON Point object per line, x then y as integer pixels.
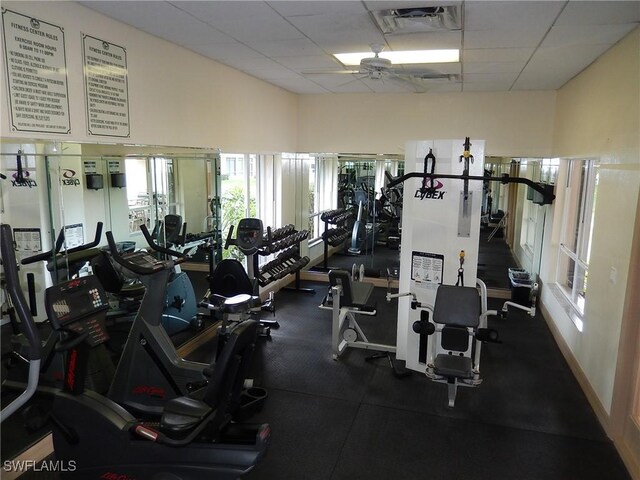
{"type": "Point", "coordinates": [179, 257]}
{"type": "Point", "coordinates": [147, 266]}
{"type": "Point", "coordinates": [27, 325]}
{"type": "Point", "coordinates": [51, 254]}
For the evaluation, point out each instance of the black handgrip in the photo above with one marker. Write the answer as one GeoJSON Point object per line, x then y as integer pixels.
{"type": "Point", "coordinates": [229, 238]}
{"type": "Point", "coordinates": [46, 255]}
{"type": "Point", "coordinates": [27, 325]}
{"type": "Point", "coordinates": [31, 290]}
{"type": "Point", "coordinates": [135, 268]}
{"type": "Point", "coordinates": [158, 248]}
{"type": "Point", "coordinates": [68, 344]}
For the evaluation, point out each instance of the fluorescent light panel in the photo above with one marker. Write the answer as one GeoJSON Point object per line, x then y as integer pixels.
{"type": "Point", "coordinates": [403, 57]}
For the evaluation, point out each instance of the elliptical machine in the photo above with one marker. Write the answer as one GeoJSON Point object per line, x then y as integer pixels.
{"type": "Point", "coordinates": [99, 439]}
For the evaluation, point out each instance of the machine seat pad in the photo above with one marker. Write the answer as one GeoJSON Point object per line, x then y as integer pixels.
{"type": "Point", "coordinates": [457, 306]}
{"type": "Point", "coordinates": [132, 290]}
{"type": "Point", "coordinates": [239, 303]}
{"type": "Point", "coordinates": [453, 366]}
{"type": "Point", "coordinates": [182, 414]}
{"type": "Point", "coordinates": [361, 291]}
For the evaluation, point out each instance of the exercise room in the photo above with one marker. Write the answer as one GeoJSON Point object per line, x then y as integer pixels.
{"type": "Point", "coordinates": [320, 240]}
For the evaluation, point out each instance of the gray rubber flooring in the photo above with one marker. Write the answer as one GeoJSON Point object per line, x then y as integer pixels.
{"type": "Point", "coordinates": [353, 419]}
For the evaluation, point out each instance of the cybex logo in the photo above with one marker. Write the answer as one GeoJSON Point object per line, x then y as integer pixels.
{"type": "Point", "coordinates": [433, 190]}
{"type": "Point", "coordinates": [25, 181]}
{"type": "Point", "coordinates": [69, 178]}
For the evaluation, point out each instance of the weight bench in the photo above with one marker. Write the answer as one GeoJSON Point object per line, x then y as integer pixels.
{"type": "Point", "coordinates": [346, 300]}
{"type": "Point", "coordinates": [460, 318]}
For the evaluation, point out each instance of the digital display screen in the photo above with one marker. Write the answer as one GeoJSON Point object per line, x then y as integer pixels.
{"type": "Point", "coordinates": [75, 299]}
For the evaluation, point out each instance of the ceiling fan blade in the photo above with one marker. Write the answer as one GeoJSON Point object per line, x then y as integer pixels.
{"type": "Point", "coordinates": [330, 72]}
{"type": "Point", "coordinates": [418, 87]}
{"type": "Point", "coordinates": [426, 74]}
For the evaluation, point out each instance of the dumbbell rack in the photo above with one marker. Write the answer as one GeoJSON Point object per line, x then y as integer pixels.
{"type": "Point", "coordinates": [334, 236]}
{"type": "Point", "coordinates": [285, 240]}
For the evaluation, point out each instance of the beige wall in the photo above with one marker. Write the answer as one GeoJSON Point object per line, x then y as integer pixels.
{"type": "Point", "coordinates": [598, 116]}
{"type": "Point", "coordinates": [177, 97]}
{"type": "Point", "coordinates": [513, 123]}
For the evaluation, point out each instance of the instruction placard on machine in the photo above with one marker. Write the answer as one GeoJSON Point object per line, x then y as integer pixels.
{"type": "Point", "coordinates": [427, 267]}
{"type": "Point", "coordinates": [27, 239]}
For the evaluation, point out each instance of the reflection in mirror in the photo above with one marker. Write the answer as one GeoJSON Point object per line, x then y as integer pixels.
{"type": "Point", "coordinates": [513, 225]}
{"type": "Point", "coordinates": [64, 187]}
{"type": "Point", "coordinates": [360, 225]}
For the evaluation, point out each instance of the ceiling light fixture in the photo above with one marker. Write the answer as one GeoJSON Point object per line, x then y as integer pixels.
{"type": "Point", "coordinates": [406, 57]}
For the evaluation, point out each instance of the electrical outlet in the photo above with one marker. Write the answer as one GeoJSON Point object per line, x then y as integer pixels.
{"type": "Point", "coordinates": [613, 275]}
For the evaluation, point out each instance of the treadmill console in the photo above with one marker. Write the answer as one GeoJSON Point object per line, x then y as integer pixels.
{"type": "Point", "coordinates": [79, 305]}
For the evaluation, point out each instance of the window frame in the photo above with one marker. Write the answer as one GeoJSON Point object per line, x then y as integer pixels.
{"type": "Point", "coordinates": [577, 226]}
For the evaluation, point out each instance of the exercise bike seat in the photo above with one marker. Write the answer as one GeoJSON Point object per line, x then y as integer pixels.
{"type": "Point", "coordinates": [233, 304]}
{"type": "Point", "coordinates": [181, 415]}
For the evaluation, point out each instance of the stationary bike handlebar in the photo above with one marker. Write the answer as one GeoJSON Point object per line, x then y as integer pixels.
{"type": "Point", "coordinates": [50, 255]}
{"type": "Point", "coordinates": [154, 246]}
{"type": "Point", "coordinates": [148, 265]}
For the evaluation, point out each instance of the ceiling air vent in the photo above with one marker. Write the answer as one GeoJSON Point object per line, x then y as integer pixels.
{"type": "Point", "coordinates": [399, 21]}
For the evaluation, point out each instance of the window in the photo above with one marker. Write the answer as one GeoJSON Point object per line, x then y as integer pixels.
{"type": "Point", "coordinates": [239, 193]}
{"type": "Point", "coordinates": [575, 243]}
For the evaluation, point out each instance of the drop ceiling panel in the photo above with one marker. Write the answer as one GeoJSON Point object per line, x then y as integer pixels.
{"type": "Point", "coordinates": [425, 41]}
{"type": "Point", "coordinates": [497, 54]}
{"type": "Point", "coordinates": [224, 51]}
{"type": "Point", "coordinates": [493, 67]}
{"type": "Point", "coordinates": [252, 64]}
{"type": "Point", "coordinates": [308, 62]}
{"type": "Point", "coordinates": [552, 67]}
{"type": "Point", "coordinates": [593, 35]}
{"type": "Point", "coordinates": [302, 86]}
{"type": "Point", "coordinates": [221, 12]}
{"type": "Point", "coordinates": [307, 8]}
{"type": "Point", "coordinates": [161, 19]}
{"type": "Point", "coordinates": [333, 31]}
{"type": "Point", "coordinates": [493, 77]}
{"type": "Point", "coordinates": [278, 40]}
{"type": "Point", "coordinates": [270, 27]}
{"type": "Point", "coordinates": [521, 15]}
{"type": "Point", "coordinates": [599, 13]}
{"type": "Point", "coordinates": [493, 86]}
{"type": "Point", "coordinates": [499, 37]}
{"type": "Point", "coordinates": [332, 80]}
{"type": "Point", "coordinates": [287, 48]}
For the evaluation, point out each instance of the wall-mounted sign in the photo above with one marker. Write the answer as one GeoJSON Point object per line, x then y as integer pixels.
{"type": "Point", "coordinates": [36, 74]}
{"type": "Point", "coordinates": [90, 166]}
{"type": "Point", "coordinates": [106, 87]}
{"type": "Point", "coordinates": [114, 166]}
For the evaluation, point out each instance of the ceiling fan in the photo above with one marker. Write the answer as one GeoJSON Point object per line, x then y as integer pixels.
{"type": "Point", "coordinates": [379, 68]}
